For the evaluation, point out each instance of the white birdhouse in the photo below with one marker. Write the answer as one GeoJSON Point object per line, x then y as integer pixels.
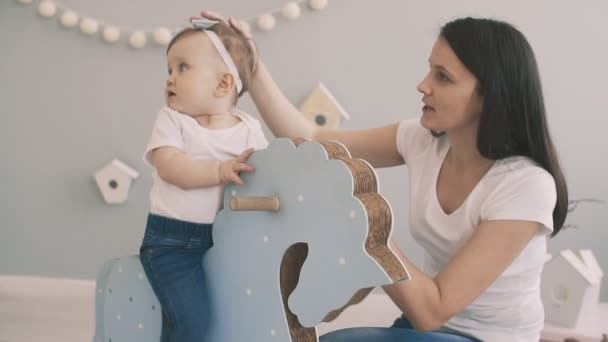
{"type": "Point", "coordinates": [114, 181]}
{"type": "Point", "coordinates": [570, 287]}
{"type": "Point", "coordinates": [322, 109]}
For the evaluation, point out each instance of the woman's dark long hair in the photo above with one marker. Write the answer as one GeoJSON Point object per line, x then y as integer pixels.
{"type": "Point", "coordinates": [512, 121]}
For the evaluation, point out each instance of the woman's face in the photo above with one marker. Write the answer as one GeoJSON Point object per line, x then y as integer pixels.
{"type": "Point", "coordinates": [451, 101]}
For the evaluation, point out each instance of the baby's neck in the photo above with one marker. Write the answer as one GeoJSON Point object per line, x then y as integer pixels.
{"type": "Point", "coordinates": [217, 121]}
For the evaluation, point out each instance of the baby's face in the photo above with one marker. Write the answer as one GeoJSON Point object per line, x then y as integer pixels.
{"type": "Point", "coordinates": [194, 72]}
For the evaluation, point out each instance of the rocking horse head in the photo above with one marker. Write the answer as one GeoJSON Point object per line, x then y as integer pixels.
{"type": "Point", "coordinates": [311, 218]}
{"type": "Point", "coordinates": [347, 239]}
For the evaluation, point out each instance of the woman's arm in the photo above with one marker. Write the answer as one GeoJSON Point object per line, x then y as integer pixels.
{"type": "Point", "coordinates": [177, 168]}
{"type": "Point", "coordinates": [376, 145]}
{"type": "Point", "coordinates": [281, 116]}
{"type": "Point", "coordinates": [429, 302]}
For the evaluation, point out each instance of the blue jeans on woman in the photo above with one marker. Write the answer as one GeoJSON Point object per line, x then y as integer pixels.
{"type": "Point", "coordinates": [171, 254]}
{"type": "Point", "coordinates": [401, 331]}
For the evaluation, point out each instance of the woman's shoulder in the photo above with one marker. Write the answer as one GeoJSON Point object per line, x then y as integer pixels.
{"type": "Point", "coordinates": [413, 140]}
{"type": "Point", "coordinates": [411, 126]}
{"type": "Point", "coordinates": [521, 168]}
{"type": "Point", "coordinates": [520, 176]}
{"type": "Point", "coordinates": [519, 188]}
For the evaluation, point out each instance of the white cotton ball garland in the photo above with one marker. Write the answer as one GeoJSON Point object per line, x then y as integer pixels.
{"type": "Point", "coordinates": [266, 22]}
{"type": "Point", "coordinates": [291, 11]}
{"type": "Point", "coordinates": [47, 9]}
{"type": "Point", "coordinates": [317, 5]}
{"type": "Point", "coordinates": [162, 36]}
{"type": "Point", "coordinates": [69, 19]}
{"type": "Point", "coordinates": [138, 39]}
{"type": "Point", "coordinates": [89, 26]}
{"type": "Point", "coordinates": [110, 34]}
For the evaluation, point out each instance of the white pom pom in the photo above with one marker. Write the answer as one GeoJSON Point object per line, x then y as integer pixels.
{"type": "Point", "coordinates": [47, 8]}
{"type": "Point", "coordinates": [138, 39]}
{"type": "Point", "coordinates": [111, 34]}
{"type": "Point", "coordinates": [266, 22]}
{"type": "Point", "coordinates": [291, 10]}
{"type": "Point", "coordinates": [69, 19]}
{"type": "Point", "coordinates": [162, 36]}
{"type": "Point", "coordinates": [24, 2]}
{"type": "Point", "coordinates": [317, 5]}
{"type": "Point", "coordinates": [89, 26]}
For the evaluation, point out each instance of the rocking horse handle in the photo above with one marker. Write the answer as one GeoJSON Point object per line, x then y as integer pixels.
{"type": "Point", "coordinates": [238, 203]}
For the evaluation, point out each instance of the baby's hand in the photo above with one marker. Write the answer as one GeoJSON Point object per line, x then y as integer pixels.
{"type": "Point", "coordinates": [229, 169]}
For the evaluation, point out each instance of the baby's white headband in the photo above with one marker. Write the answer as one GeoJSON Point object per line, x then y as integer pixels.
{"type": "Point", "coordinates": [205, 25]}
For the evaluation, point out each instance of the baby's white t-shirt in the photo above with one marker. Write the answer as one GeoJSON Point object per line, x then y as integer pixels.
{"type": "Point", "coordinates": [514, 188]}
{"type": "Point", "coordinates": [185, 133]}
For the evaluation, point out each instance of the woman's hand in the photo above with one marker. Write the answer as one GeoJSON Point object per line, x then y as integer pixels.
{"type": "Point", "coordinates": [239, 26]}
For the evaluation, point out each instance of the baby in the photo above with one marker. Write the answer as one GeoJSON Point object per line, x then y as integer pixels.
{"type": "Point", "coordinates": [200, 142]}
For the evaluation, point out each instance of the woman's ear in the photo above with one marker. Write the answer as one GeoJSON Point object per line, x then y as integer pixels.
{"type": "Point", "coordinates": [225, 85]}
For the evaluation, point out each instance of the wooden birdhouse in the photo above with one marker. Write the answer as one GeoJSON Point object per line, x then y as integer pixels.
{"type": "Point", "coordinates": [114, 181]}
{"type": "Point", "coordinates": [322, 109]}
{"type": "Point", "coordinates": [570, 287]}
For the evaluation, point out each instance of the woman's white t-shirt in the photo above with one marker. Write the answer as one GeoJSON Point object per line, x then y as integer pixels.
{"type": "Point", "coordinates": [185, 133]}
{"type": "Point", "coordinates": [514, 188]}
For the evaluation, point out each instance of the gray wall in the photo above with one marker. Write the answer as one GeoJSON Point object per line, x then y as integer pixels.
{"type": "Point", "coordinates": [71, 103]}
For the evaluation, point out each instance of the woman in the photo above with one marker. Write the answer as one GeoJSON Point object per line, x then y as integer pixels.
{"type": "Point", "coordinates": [486, 186]}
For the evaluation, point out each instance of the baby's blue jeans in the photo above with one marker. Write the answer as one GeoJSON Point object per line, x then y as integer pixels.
{"type": "Point", "coordinates": [401, 331]}
{"type": "Point", "coordinates": [171, 254]}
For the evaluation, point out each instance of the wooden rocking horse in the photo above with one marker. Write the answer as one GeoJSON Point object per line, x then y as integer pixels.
{"type": "Point", "coordinates": [304, 238]}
